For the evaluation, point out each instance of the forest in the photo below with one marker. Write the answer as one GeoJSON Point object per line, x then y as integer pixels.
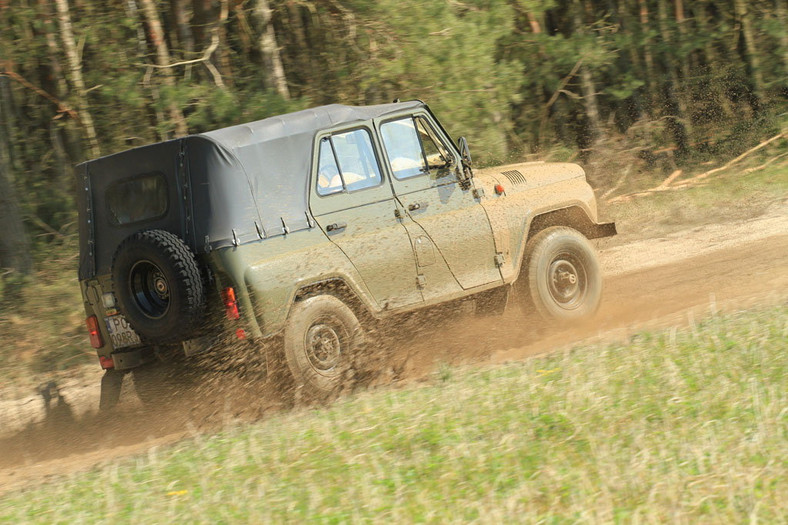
{"type": "Point", "coordinates": [660, 82]}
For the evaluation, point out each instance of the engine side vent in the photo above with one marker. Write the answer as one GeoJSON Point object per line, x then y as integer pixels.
{"type": "Point", "coordinates": [514, 176]}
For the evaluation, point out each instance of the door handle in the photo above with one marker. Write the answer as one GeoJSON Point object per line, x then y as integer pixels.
{"type": "Point", "coordinates": [336, 226]}
{"type": "Point", "coordinates": [417, 206]}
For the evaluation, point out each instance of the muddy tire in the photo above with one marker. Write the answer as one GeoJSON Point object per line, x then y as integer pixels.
{"type": "Point", "coordinates": [564, 280]}
{"type": "Point", "coordinates": [158, 286]}
{"type": "Point", "coordinates": [321, 338]}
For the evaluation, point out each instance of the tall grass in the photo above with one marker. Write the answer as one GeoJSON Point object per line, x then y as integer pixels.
{"type": "Point", "coordinates": [680, 426]}
{"type": "Point", "coordinates": [42, 326]}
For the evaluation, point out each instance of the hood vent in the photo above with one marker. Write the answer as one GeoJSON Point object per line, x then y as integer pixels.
{"type": "Point", "coordinates": [514, 176]}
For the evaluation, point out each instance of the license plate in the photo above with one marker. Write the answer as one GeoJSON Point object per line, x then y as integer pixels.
{"type": "Point", "coordinates": [120, 332]}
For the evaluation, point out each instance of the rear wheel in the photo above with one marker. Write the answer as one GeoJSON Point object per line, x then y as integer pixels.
{"type": "Point", "coordinates": [563, 275]}
{"type": "Point", "coordinates": [320, 341]}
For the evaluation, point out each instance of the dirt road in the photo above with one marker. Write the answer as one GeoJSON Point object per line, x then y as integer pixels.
{"type": "Point", "coordinates": [649, 284]}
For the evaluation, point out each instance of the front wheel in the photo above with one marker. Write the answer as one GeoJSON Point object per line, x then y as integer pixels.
{"type": "Point", "coordinates": [320, 341]}
{"type": "Point", "coordinates": [564, 278]}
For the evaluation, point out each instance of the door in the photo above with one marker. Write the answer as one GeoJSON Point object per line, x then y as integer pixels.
{"type": "Point", "coordinates": [424, 170]}
{"type": "Point", "coordinates": [356, 208]}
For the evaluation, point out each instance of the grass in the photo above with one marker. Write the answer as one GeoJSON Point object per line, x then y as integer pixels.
{"type": "Point", "coordinates": [679, 426]}
{"type": "Point", "coordinates": [43, 329]}
{"type": "Point", "coordinates": [729, 196]}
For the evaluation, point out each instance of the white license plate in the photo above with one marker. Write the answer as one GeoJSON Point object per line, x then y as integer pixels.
{"type": "Point", "coordinates": [121, 333]}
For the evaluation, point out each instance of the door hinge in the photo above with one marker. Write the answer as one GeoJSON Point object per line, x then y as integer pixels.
{"type": "Point", "coordinates": [499, 259]}
{"type": "Point", "coordinates": [421, 281]}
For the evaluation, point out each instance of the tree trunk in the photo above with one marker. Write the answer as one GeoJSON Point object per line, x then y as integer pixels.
{"type": "Point", "coordinates": [272, 59]}
{"type": "Point", "coordinates": [223, 51]}
{"type": "Point", "coordinates": [673, 109]}
{"type": "Point", "coordinates": [163, 60]}
{"type": "Point", "coordinates": [534, 23]}
{"type": "Point", "coordinates": [201, 22]}
{"type": "Point", "coordinates": [185, 36]}
{"type": "Point", "coordinates": [75, 72]}
{"type": "Point", "coordinates": [681, 22]}
{"type": "Point", "coordinates": [751, 55]}
{"type": "Point", "coordinates": [712, 60]}
{"type": "Point", "coordinates": [594, 126]}
{"type": "Point", "coordinates": [648, 57]}
{"type": "Point", "coordinates": [782, 18]}
{"type": "Point", "coordinates": [50, 33]}
{"type": "Point", "coordinates": [305, 63]}
{"type": "Point", "coordinates": [14, 243]}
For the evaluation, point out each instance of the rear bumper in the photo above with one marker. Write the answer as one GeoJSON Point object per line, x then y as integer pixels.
{"type": "Point", "coordinates": [132, 358]}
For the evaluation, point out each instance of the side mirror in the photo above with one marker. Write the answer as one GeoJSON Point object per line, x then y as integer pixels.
{"type": "Point", "coordinates": [467, 162]}
{"type": "Point", "coordinates": [465, 152]}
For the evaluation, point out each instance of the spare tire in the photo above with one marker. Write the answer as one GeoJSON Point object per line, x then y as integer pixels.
{"type": "Point", "coordinates": [159, 286]}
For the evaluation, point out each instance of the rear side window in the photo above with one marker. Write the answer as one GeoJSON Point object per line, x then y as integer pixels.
{"type": "Point", "coordinates": [137, 199]}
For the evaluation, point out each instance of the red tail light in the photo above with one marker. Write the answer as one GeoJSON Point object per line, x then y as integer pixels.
{"type": "Point", "coordinates": [230, 304]}
{"type": "Point", "coordinates": [95, 334]}
{"type": "Point", "coordinates": [106, 362]}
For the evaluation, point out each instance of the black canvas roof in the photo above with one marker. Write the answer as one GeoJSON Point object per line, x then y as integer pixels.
{"type": "Point", "coordinates": [276, 155]}
{"type": "Point", "coordinates": [228, 187]}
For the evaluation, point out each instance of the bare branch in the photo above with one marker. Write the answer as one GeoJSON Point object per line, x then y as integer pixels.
{"type": "Point", "coordinates": [736, 160]}
{"type": "Point", "coordinates": [61, 108]}
{"type": "Point", "coordinates": [699, 179]}
{"type": "Point", "coordinates": [554, 97]}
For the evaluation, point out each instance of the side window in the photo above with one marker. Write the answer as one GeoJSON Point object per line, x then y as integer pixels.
{"type": "Point", "coordinates": [402, 146]}
{"type": "Point", "coordinates": [414, 148]}
{"type": "Point", "coordinates": [347, 162]}
{"type": "Point", "coordinates": [328, 179]}
{"type": "Point", "coordinates": [137, 199]}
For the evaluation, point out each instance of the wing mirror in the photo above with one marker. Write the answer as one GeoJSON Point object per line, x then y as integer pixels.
{"type": "Point", "coordinates": [467, 162]}
{"type": "Point", "coordinates": [465, 152]}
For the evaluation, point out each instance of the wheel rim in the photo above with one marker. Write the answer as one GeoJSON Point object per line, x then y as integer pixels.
{"type": "Point", "coordinates": [324, 341]}
{"type": "Point", "coordinates": [567, 281]}
{"type": "Point", "coordinates": [150, 289]}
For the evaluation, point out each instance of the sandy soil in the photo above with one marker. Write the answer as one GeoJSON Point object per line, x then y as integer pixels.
{"type": "Point", "coordinates": [651, 283]}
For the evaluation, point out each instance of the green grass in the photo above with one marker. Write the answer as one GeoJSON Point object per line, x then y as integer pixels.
{"type": "Point", "coordinates": [685, 425]}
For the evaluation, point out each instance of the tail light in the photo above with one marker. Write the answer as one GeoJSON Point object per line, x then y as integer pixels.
{"type": "Point", "coordinates": [95, 334]}
{"type": "Point", "coordinates": [230, 304]}
{"type": "Point", "coordinates": [106, 362]}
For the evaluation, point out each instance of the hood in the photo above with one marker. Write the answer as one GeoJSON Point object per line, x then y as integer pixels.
{"type": "Point", "coordinates": [515, 177]}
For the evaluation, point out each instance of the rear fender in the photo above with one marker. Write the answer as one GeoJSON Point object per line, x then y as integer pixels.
{"type": "Point", "coordinates": [270, 275]}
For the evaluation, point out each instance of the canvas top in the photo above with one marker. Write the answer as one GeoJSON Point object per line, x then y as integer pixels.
{"type": "Point", "coordinates": [222, 188]}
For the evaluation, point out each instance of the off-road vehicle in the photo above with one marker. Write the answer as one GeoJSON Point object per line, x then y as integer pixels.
{"type": "Point", "coordinates": [298, 227]}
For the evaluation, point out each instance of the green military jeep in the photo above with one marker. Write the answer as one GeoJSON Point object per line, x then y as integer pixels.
{"type": "Point", "coordinates": [302, 225]}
